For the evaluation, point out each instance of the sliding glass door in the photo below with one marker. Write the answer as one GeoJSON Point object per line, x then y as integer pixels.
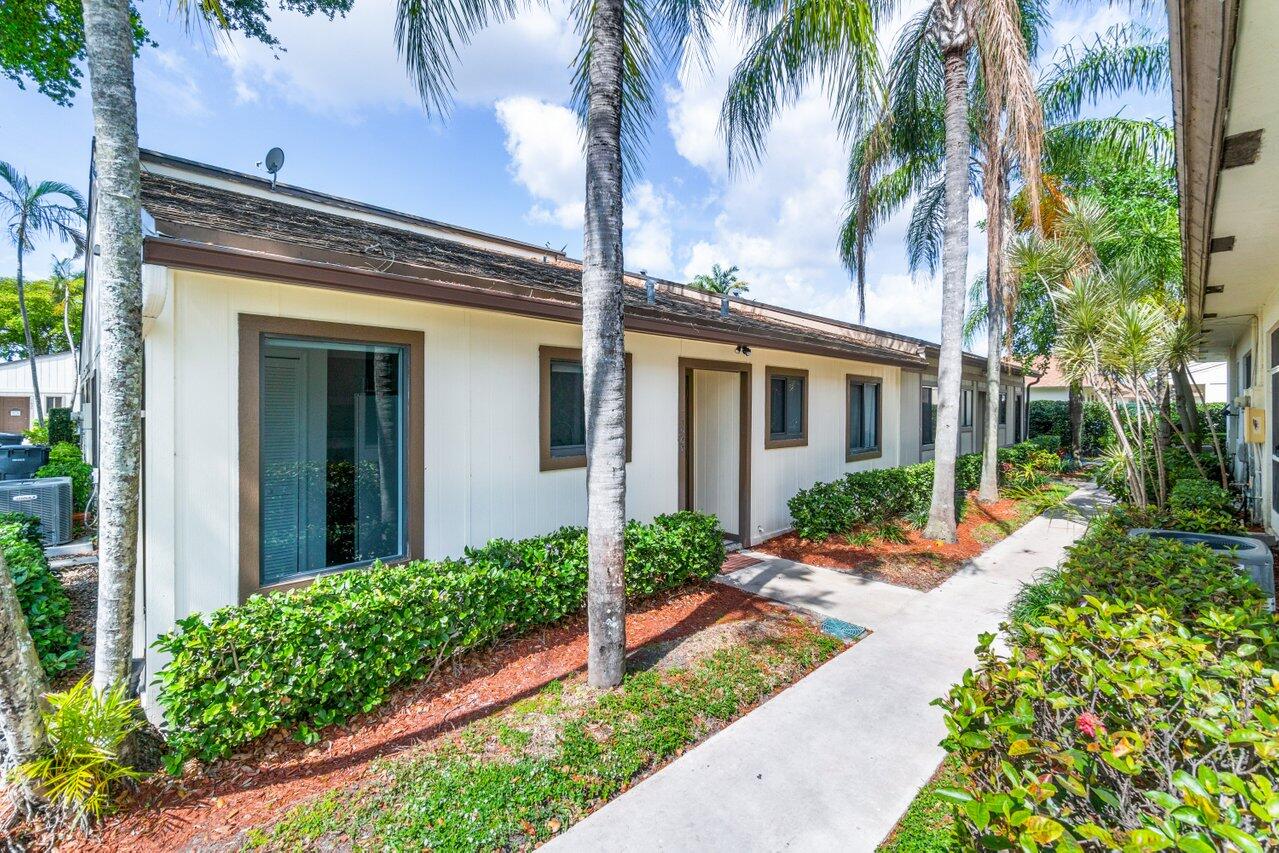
{"type": "Point", "coordinates": [332, 444]}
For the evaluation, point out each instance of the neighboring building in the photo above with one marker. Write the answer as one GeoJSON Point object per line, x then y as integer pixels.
{"type": "Point", "coordinates": [1227, 116]}
{"type": "Point", "coordinates": [56, 374]}
{"type": "Point", "coordinates": [329, 382]}
{"type": "Point", "coordinates": [1209, 379]}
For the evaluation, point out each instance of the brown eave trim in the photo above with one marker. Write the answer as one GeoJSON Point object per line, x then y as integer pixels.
{"type": "Point", "coordinates": [525, 301]}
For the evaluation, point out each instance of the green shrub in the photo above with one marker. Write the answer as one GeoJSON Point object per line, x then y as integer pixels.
{"type": "Point", "coordinates": [882, 495]}
{"type": "Point", "coordinates": [81, 770]}
{"type": "Point", "coordinates": [1047, 441]}
{"type": "Point", "coordinates": [1202, 506]}
{"type": "Point", "coordinates": [318, 655]}
{"type": "Point", "coordinates": [61, 429]}
{"type": "Point", "coordinates": [1052, 417]}
{"type": "Point", "coordinates": [1137, 709]}
{"type": "Point", "coordinates": [44, 601]}
{"type": "Point", "coordinates": [66, 460]}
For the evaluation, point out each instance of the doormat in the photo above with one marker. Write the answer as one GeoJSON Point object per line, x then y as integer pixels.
{"type": "Point", "coordinates": [736, 561]}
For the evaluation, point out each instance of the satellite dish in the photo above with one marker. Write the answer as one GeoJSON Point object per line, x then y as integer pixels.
{"type": "Point", "coordinates": [274, 162]}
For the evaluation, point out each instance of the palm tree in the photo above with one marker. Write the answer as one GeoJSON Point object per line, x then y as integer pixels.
{"type": "Point", "coordinates": [65, 294]}
{"type": "Point", "coordinates": [720, 280]}
{"type": "Point", "coordinates": [626, 46]}
{"type": "Point", "coordinates": [902, 154]}
{"type": "Point", "coordinates": [48, 209]}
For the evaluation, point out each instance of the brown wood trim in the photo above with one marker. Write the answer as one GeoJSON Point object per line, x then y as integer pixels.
{"type": "Point", "coordinates": [686, 368]}
{"type": "Point", "coordinates": [878, 451]}
{"type": "Point", "coordinates": [1241, 149]}
{"type": "Point", "coordinates": [252, 328]}
{"type": "Point", "coordinates": [547, 462]}
{"type": "Point", "coordinates": [771, 443]}
{"type": "Point", "coordinates": [473, 292]}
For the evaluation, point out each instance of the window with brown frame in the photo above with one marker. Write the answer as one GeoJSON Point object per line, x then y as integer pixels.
{"type": "Point", "coordinates": [331, 449]}
{"type": "Point", "coordinates": [966, 408]}
{"type": "Point", "coordinates": [863, 419]}
{"type": "Point", "coordinates": [927, 415]}
{"type": "Point", "coordinates": [562, 404]}
{"type": "Point", "coordinates": [787, 407]}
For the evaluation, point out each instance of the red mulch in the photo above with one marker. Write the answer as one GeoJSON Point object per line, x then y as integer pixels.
{"type": "Point", "coordinates": [919, 563]}
{"type": "Point", "coordinates": [210, 806]}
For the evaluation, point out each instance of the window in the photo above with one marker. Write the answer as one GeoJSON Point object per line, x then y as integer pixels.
{"type": "Point", "coordinates": [53, 403]}
{"type": "Point", "coordinates": [1003, 407]}
{"type": "Point", "coordinates": [966, 408]}
{"type": "Point", "coordinates": [1245, 372]}
{"type": "Point", "coordinates": [863, 418]}
{"type": "Point", "coordinates": [927, 415]}
{"type": "Point", "coordinates": [787, 405]}
{"type": "Point", "coordinates": [332, 456]}
{"type": "Point", "coordinates": [1017, 423]}
{"type": "Point", "coordinates": [563, 409]}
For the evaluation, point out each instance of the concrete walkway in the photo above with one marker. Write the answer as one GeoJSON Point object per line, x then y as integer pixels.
{"type": "Point", "coordinates": [832, 762]}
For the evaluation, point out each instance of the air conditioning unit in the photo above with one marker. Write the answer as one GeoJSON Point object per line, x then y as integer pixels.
{"type": "Point", "coordinates": [47, 499]}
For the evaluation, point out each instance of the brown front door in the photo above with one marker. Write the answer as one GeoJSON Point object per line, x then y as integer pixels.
{"type": "Point", "coordinates": [15, 414]}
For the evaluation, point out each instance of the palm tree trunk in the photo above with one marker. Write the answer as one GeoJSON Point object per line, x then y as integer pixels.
{"type": "Point", "coordinates": [75, 354]}
{"type": "Point", "coordinates": [1075, 416]}
{"type": "Point", "coordinates": [996, 203]}
{"type": "Point", "coordinates": [22, 684]}
{"type": "Point", "coordinates": [1186, 405]}
{"type": "Point", "coordinates": [941, 514]}
{"type": "Point", "coordinates": [603, 367]}
{"type": "Point", "coordinates": [118, 277]}
{"type": "Point", "coordinates": [26, 327]}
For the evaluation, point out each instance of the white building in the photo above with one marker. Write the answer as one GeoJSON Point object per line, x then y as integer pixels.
{"type": "Point", "coordinates": [329, 382]}
{"type": "Point", "coordinates": [57, 377]}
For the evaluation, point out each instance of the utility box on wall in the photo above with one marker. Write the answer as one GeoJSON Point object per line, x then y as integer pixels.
{"type": "Point", "coordinates": [1254, 425]}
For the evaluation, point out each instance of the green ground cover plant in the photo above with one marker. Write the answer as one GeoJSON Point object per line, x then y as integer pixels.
{"type": "Point", "coordinates": [43, 599]}
{"type": "Point", "coordinates": [319, 655]}
{"type": "Point", "coordinates": [928, 826]}
{"type": "Point", "coordinates": [66, 460]}
{"type": "Point", "coordinates": [1137, 707]}
{"type": "Point", "coordinates": [513, 780]}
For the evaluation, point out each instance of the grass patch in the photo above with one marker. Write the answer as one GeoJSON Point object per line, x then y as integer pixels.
{"type": "Point", "coordinates": [517, 778]}
{"type": "Point", "coordinates": [928, 826]}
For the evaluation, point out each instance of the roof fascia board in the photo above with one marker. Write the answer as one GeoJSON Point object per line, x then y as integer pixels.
{"type": "Point", "coordinates": [527, 302]}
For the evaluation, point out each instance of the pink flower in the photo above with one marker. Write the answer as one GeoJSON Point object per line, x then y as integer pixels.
{"type": "Point", "coordinates": [1089, 723]}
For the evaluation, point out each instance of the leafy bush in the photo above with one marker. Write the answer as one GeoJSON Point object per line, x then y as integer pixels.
{"type": "Point", "coordinates": [44, 601]}
{"type": "Point", "coordinates": [66, 460]}
{"type": "Point", "coordinates": [1138, 708]}
{"type": "Point", "coordinates": [1202, 506]}
{"type": "Point", "coordinates": [1047, 441]}
{"type": "Point", "coordinates": [38, 433]}
{"type": "Point", "coordinates": [81, 770]}
{"type": "Point", "coordinates": [1052, 417]}
{"type": "Point", "coordinates": [882, 495]}
{"type": "Point", "coordinates": [61, 429]}
{"type": "Point", "coordinates": [321, 654]}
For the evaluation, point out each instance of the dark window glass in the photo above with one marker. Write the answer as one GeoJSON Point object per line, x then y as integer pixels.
{"type": "Point", "coordinates": [568, 409]}
{"type": "Point", "coordinates": [966, 408]}
{"type": "Point", "coordinates": [863, 416]}
{"type": "Point", "coordinates": [332, 449]}
{"type": "Point", "coordinates": [786, 407]}
{"type": "Point", "coordinates": [1003, 407]}
{"type": "Point", "coordinates": [1245, 372]}
{"type": "Point", "coordinates": [1017, 414]}
{"type": "Point", "coordinates": [927, 414]}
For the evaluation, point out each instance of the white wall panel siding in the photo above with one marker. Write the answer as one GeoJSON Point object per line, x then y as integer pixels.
{"type": "Point", "coordinates": [716, 420]}
{"type": "Point", "coordinates": [56, 374]}
{"type": "Point", "coordinates": [482, 477]}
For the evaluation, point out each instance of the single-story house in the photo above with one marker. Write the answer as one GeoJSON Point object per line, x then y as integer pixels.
{"type": "Point", "coordinates": [57, 377]}
{"type": "Point", "coordinates": [1208, 377]}
{"type": "Point", "coordinates": [328, 383]}
{"type": "Point", "coordinates": [1226, 115]}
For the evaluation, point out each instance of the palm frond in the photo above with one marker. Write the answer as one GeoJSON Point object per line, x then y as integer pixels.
{"type": "Point", "coordinates": [1125, 58]}
{"type": "Point", "coordinates": [428, 36]}
{"type": "Point", "coordinates": [1074, 150]}
{"type": "Point", "coordinates": [924, 235]}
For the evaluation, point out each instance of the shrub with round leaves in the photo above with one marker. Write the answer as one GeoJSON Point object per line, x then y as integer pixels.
{"type": "Point", "coordinates": [319, 655]}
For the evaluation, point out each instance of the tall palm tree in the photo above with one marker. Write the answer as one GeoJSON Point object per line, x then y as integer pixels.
{"type": "Point", "coordinates": [64, 293]}
{"type": "Point", "coordinates": [48, 209]}
{"type": "Point", "coordinates": [117, 277]}
{"type": "Point", "coordinates": [901, 156]}
{"type": "Point", "coordinates": [626, 47]}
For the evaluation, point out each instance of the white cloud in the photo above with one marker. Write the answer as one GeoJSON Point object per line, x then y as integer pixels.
{"type": "Point", "coordinates": [543, 142]}
{"type": "Point", "coordinates": [348, 67]}
{"type": "Point", "coordinates": [171, 84]}
{"type": "Point", "coordinates": [647, 229]}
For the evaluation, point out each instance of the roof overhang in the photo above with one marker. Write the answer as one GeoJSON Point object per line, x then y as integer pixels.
{"type": "Point", "coordinates": [1227, 119]}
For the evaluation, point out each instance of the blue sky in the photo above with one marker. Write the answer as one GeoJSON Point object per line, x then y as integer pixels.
{"type": "Point", "coordinates": [507, 159]}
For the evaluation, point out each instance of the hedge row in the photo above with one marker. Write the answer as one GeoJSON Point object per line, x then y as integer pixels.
{"type": "Point", "coordinates": [316, 656]}
{"type": "Point", "coordinates": [44, 601]}
{"type": "Point", "coordinates": [885, 494]}
{"type": "Point", "coordinates": [1137, 708]}
{"type": "Point", "coordinates": [1052, 417]}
